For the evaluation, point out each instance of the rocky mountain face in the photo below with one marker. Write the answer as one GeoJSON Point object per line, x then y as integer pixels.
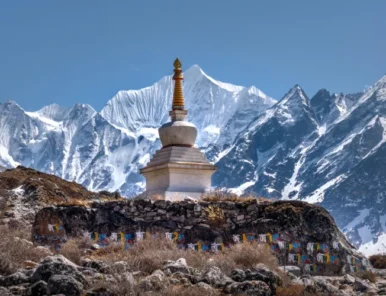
{"type": "Point", "coordinates": [104, 150]}
{"type": "Point", "coordinates": [329, 149]}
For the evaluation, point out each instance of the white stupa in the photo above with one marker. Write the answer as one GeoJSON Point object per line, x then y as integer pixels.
{"type": "Point", "coordinates": [178, 170]}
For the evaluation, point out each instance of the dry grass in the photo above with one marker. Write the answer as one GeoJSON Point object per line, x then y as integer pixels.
{"type": "Point", "coordinates": [74, 248]}
{"type": "Point", "coordinates": [50, 189]}
{"type": "Point", "coordinates": [15, 248]}
{"type": "Point", "coordinates": [215, 215]}
{"type": "Point", "coordinates": [367, 275]}
{"type": "Point", "coordinates": [378, 261]}
{"type": "Point", "coordinates": [291, 290]}
{"type": "Point", "coordinates": [223, 195]}
{"type": "Point", "coordinates": [149, 255]}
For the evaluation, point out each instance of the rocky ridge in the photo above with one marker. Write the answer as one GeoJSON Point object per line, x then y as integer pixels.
{"type": "Point", "coordinates": [57, 275]}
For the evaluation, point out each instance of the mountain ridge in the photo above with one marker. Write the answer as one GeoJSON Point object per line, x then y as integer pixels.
{"type": "Point", "coordinates": [295, 148]}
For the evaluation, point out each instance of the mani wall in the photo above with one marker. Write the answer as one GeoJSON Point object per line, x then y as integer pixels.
{"type": "Point", "coordinates": [297, 233]}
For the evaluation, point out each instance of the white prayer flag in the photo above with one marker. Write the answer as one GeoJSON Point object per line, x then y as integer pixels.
{"type": "Point", "coordinates": [319, 258]}
{"type": "Point", "coordinates": [236, 238]}
{"type": "Point", "coordinates": [291, 258]}
{"type": "Point", "coordinates": [50, 227]}
{"type": "Point", "coordinates": [114, 236]}
{"type": "Point", "coordinates": [86, 234]}
{"type": "Point", "coordinates": [169, 235]}
{"type": "Point", "coordinates": [214, 247]}
{"type": "Point", "coordinates": [139, 235]}
{"type": "Point", "coordinates": [335, 245]}
{"type": "Point", "coordinates": [281, 245]}
{"type": "Point", "coordinates": [191, 247]}
{"type": "Point", "coordinates": [263, 238]}
{"type": "Point", "coordinates": [310, 248]}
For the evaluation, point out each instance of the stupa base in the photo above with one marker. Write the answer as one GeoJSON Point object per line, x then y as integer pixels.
{"type": "Point", "coordinates": [173, 195]}
{"type": "Point", "coordinates": [178, 180]}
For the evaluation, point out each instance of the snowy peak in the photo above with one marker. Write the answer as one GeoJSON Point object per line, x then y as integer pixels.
{"type": "Point", "coordinates": [10, 106]}
{"type": "Point", "coordinates": [54, 112]}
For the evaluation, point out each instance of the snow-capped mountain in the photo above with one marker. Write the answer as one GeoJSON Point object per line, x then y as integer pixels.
{"type": "Point", "coordinates": [329, 149]}
{"type": "Point", "coordinates": [104, 150]}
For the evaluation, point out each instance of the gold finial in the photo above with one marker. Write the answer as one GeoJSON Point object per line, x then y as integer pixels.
{"type": "Point", "coordinates": [178, 96]}
{"type": "Point", "coordinates": [177, 64]}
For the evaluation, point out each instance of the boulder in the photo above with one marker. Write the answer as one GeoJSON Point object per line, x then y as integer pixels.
{"type": "Point", "coordinates": [14, 280]}
{"type": "Point", "coordinates": [255, 288]}
{"type": "Point", "coordinates": [263, 273]}
{"type": "Point", "coordinates": [38, 289]}
{"type": "Point", "coordinates": [238, 275]}
{"type": "Point", "coordinates": [65, 284]}
{"type": "Point", "coordinates": [362, 285]}
{"type": "Point", "coordinates": [348, 279]}
{"type": "Point", "coordinates": [94, 264]}
{"type": "Point", "coordinates": [177, 266]}
{"type": "Point", "coordinates": [56, 265]}
{"type": "Point", "coordinates": [154, 282]}
{"type": "Point", "coordinates": [216, 278]}
{"type": "Point", "coordinates": [117, 267]}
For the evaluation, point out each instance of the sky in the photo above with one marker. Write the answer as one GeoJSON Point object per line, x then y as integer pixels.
{"type": "Point", "coordinates": [69, 52]}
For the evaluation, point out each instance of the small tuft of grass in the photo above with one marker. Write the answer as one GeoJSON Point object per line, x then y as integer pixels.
{"type": "Point", "coordinates": [74, 248]}
{"type": "Point", "coordinates": [367, 275]}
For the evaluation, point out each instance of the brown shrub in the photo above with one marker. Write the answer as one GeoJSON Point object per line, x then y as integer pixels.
{"type": "Point", "coordinates": [246, 255]}
{"type": "Point", "coordinates": [15, 248]}
{"type": "Point", "coordinates": [291, 290]}
{"type": "Point", "coordinates": [215, 216]}
{"type": "Point", "coordinates": [149, 255]}
{"type": "Point", "coordinates": [378, 261]}
{"type": "Point", "coordinates": [367, 275]}
{"type": "Point", "coordinates": [74, 248]}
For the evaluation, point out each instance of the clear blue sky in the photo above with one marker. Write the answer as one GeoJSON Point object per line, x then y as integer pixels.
{"type": "Point", "coordinates": [85, 51]}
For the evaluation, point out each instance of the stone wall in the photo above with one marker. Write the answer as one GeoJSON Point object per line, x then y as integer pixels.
{"type": "Point", "coordinates": [298, 233]}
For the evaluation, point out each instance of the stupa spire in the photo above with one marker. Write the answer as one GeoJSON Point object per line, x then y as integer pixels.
{"type": "Point", "coordinates": [178, 95]}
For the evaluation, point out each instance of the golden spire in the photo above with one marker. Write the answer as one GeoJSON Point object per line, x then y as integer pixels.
{"type": "Point", "coordinates": [178, 95]}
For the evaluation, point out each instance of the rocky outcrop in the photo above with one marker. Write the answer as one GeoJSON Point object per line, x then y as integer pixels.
{"type": "Point", "coordinates": [24, 191]}
{"type": "Point", "coordinates": [299, 233]}
{"type": "Point", "coordinates": [61, 276]}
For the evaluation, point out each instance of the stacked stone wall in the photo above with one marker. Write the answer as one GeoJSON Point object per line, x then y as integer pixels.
{"type": "Point", "coordinates": [297, 233]}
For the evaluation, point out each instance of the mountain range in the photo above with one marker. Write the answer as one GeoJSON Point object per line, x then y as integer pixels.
{"type": "Point", "coordinates": [330, 149]}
